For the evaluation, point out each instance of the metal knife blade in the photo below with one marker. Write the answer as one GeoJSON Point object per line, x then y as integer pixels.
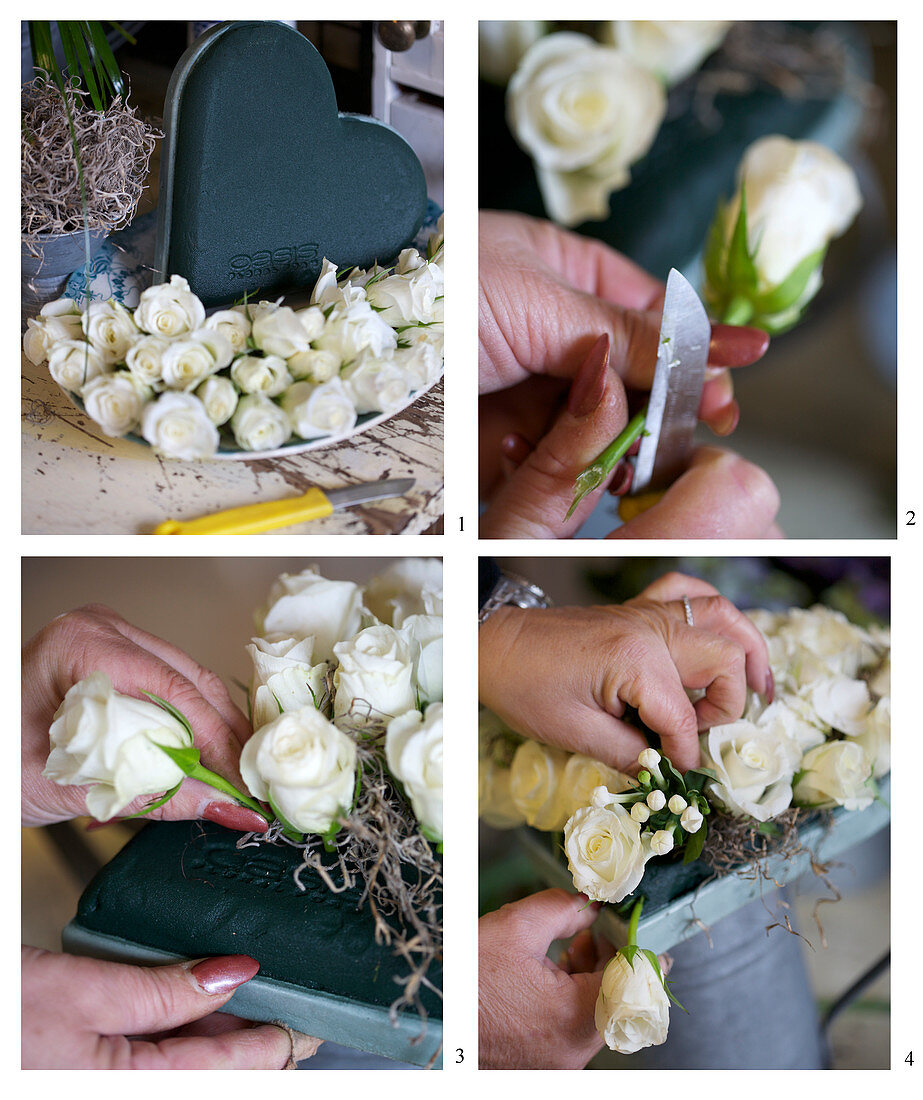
{"type": "Point", "coordinates": [682, 354]}
{"type": "Point", "coordinates": [373, 490]}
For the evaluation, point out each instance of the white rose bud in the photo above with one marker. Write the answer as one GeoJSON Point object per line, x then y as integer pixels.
{"type": "Point", "coordinates": [495, 800]}
{"type": "Point", "coordinates": [306, 605]}
{"type": "Point", "coordinates": [605, 853]}
{"type": "Point", "coordinates": [280, 332]}
{"type": "Point", "coordinates": [61, 322]}
{"type": "Point", "coordinates": [410, 586]}
{"type": "Point", "coordinates": [423, 634]}
{"type": "Point", "coordinates": [677, 804]}
{"type": "Point", "coordinates": [267, 375]}
{"type": "Point", "coordinates": [692, 819]}
{"type": "Point", "coordinates": [581, 776]}
{"type": "Point", "coordinates": [305, 765]}
{"type": "Point", "coordinates": [109, 741]}
{"type": "Point", "coordinates": [233, 325]}
{"type": "Point", "coordinates": [632, 1009]}
{"type": "Point", "coordinates": [656, 800]}
{"type": "Point", "coordinates": [535, 779]}
{"type": "Point", "coordinates": [115, 402]}
{"type": "Point", "coordinates": [74, 363]}
{"type": "Point", "coordinates": [169, 309]}
{"type": "Point", "coordinates": [585, 113]}
{"type": "Point", "coordinates": [837, 773]}
{"type": "Point", "coordinates": [670, 49]}
{"type": "Point", "coordinates": [285, 678]}
{"type": "Point", "coordinates": [352, 327]}
{"type": "Point", "coordinates": [842, 703]}
{"type": "Point", "coordinates": [421, 362]}
{"type": "Point", "coordinates": [312, 321]}
{"type": "Point", "coordinates": [219, 396]}
{"type": "Point", "coordinates": [145, 359]}
{"type": "Point", "coordinates": [315, 411]}
{"type": "Point", "coordinates": [110, 329]}
{"type": "Point", "coordinates": [413, 748]}
{"type": "Point", "coordinates": [662, 842]}
{"type": "Point", "coordinates": [314, 365]}
{"type": "Point", "coordinates": [177, 425]}
{"type": "Point", "coordinates": [501, 44]}
{"type": "Point", "coordinates": [407, 297]}
{"type": "Point", "coordinates": [186, 362]}
{"type": "Point", "coordinates": [374, 678]}
{"type": "Point", "coordinates": [259, 424]}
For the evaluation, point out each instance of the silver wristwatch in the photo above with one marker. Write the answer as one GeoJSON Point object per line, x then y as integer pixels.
{"type": "Point", "coordinates": [512, 591]}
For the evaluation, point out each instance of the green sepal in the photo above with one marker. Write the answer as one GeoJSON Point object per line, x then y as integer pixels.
{"type": "Point", "coordinates": [186, 759]}
{"type": "Point", "coordinates": [431, 836]}
{"type": "Point", "coordinates": [172, 711]}
{"type": "Point", "coordinates": [740, 270]}
{"type": "Point", "coordinates": [713, 255]}
{"type": "Point", "coordinates": [766, 828]}
{"type": "Point", "coordinates": [790, 290]}
{"type": "Point", "coordinates": [287, 827]}
{"type": "Point", "coordinates": [156, 804]}
{"type": "Point", "coordinates": [692, 849]}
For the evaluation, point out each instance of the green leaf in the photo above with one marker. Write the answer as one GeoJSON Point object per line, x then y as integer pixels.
{"type": "Point", "coordinates": [694, 845]}
{"type": "Point", "coordinates": [768, 829]}
{"type": "Point", "coordinates": [674, 778]}
{"type": "Point", "coordinates": [741, 271]}
{"type": "Point", "coordinates": [155, 805]}
{"type": "Point", "coordinates": [792, 287]}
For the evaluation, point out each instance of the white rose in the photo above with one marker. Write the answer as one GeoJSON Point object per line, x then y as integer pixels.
{"type": "Point", "coordinates": [284, 678]}
{"type": "Point", "coordinates": [632, 1009]}
{"type": "Point", "coordinates": [312, 321]}
{"type": "Point", "coordinates": [109, 327]}
{"type": "Point", "coordinates": [115, 402]}
{"type": "Point", "coordinates": [376, 384]}
{"type": "Point", "coordinates": [280, 332]}
{"type": "Point", "coordinates": [314, 411]}
{"type": "Point", "coordinates": [819, 642]}
{"type": "Point", "coordinates": [233, 325]}
{"type": "Point", "coordinates": [352, 327]}
{"type": "Point", "coordinates": [501, 44]}
{"type": "Point", "coordinates": [407, 296]}
{"type": "Point", "coordinates": [495, 800]}
{"type": "Point", "coordinates": [325, 290]}
{"type": "Point", "coordinates": [880, 682]}
{"type": "Point", "coordinates": [374, 677]}
{"type": "Point", "coordinates": [535, 778]}
{"type": "Point", "coordinates": [267, 374]}
{"type": "Point", "coordinates": [605, 852]}
{"type": "Point", "coordinates": [585, 113]}
{"type": "Point", "coordinates": [423, 634]}
{"type": "Point", "coordinates": [413, 748]}
{"type": "Point", "coordinates": [74, 363]}
{"type": "Point", "coordinates": [314, 364]}
{"type": "Point", "coordinates": [754, 766]}
{"type": "Point", "coordinates": [169, 309]}
{"type": "Point", "coordinates": [187, 361]}
{"type": "Point", "coordinates": [303, 766]}
{"type": "Point", "coordinates": [144, 359]}
{"type": "Point", "coordinates": [875, 737]}
{"type": "Point", "coordinates": [259, 424]}
{"type": "Point", "coordinates": [421, 362]}
{"type": "Point", "coordinates": [837, 773]}
{"type": "Point", "coordinates": [177, 425]}
{"type": "Point", "coordinates": [581, 776]}
{"type": "Point", "coordinates": [842, 704]}
{"type": "Point", "coordinates": [306, 605]}
{"type": "Point", "coordinates": [670, 49]}
{"type": "Point", "coordinates": [409, 586]}
{"type": "Point", "coordinates": [109, 741]}
{"type": "Point", "coordinates": [44, 332]}
{"type": "Point", "coordinates": [788, 717]}
{"type": "Point", "coordinates": [219, 396]}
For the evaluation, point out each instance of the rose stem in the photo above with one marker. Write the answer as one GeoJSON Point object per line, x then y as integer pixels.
{"type": "Point", "coordinates": [594, 474]}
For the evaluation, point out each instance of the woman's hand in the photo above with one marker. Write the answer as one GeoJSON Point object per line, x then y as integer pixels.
{"type": "Point", "coordinates": [81, 1013]}
{"type": "Point", "coordinates": [533, 1014]}
{"type": "Point", "coordinates": [92, 639]}
{"type": "Point", "coordinates": [564, 676]}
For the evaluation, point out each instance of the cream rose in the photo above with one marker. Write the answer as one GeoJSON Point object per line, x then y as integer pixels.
{"type": "Point", "coordinates": [352, 327]}
{"type": "Point", "coordinates": [842, 704]}
{"type": "Point", "coordinates": [267, 375]}
{"type": "Point", "coordinates": [314, 411]}
{"type": "Point", "coordinates": [109, 742]}
{"type": "Point", "coordinates": [280, 332]}
{"type": "Point", "coordinates": [314, 365]}
{"type": "Point", "coordinates": [670, 49]}
{"type": "Point", "coordinates": [754, 766]}
{"type": "Point", "coordinates": [875, 737]}
{"type": "Point", "coordinates": [219, 397]}
{"type": "Point", "coordinates": [74, 363]}
{"type": "Point", "coordinates": [259, 424]}
{"type": "Point", "coordinates": [374, 677]}
{"type": "Point", "coordinates": [177, 425]}
{"type": "Point", "coordinates": [581, 776]}
{"type": "Point", "coordinates": [58, 320]}
{"type": "Point", "coordinates": [307, 605]}
{"type": "Point", "coordinates": [495, 799]}
{"type": "Point", "coordinates": [605, 852]}
{"type": "Point", "coordinates": [423, 634]}
{"type": "Point", "coordinates": [837, 773]}
{"type": "Point", "coordinates": [169, 309]}
{"type": "Point", "coordinates": [409, 586]}
{"type": "Point", "coordinates": [501, 44]}
{"type": "Point", "coordinates": [284, 678]}
{"type": "Point", "coordinates": [535, 777]}
{"type": "Point", "coordinates": [188, 361]}
{"type": "Point", "coordinates": [109, 327]}
{"type": "Point", "coordinates": [409, 295]}
{"type": "Point", "coordinates": [413, 749]}
{"type": "Point", "coordinates": [585, 113]}
{"type": "Point", "coordinates": [115, 402]}
{"type": "Point", "coordinates": [145, 358]}
{"type": "Point", "coordinates": [632, 1009]}
{"type": "Point", "coordinates": [375, 384]}
{"type": "Point", "coordinates": [233, 325]}
{"type": "Point", "coordinates": [304, 767]}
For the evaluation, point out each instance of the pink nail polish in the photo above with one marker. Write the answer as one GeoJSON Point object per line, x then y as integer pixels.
{"type": "Point", "coordinates": [589, 383]}
{"type": "Point", "coordinates": [232, 816]}
{"type": "Point", "coordinates": [621, 482]}
{"type": "Point", "coordinates": [224, 972]}
{"type": "Point", "coordinates": [770, 687]}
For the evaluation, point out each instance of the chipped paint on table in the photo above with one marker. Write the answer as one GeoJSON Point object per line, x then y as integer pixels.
{"type": "Point", "coordinates": [75, 480]}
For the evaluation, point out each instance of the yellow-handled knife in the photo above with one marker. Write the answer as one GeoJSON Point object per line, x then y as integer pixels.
{"type": "Point", "coordinates": [253, 519]}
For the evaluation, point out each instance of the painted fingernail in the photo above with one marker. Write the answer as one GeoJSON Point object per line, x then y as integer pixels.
{"type": "Point", "coordinates": [516, 448]}
{"type": "Point", "coordinates": [589, 383]}
{"type": "Point", "coordinates": [621, 482]}
{"type": "Point", "coordinates": [736, 346]}
{"type": "Point", "coordinates": [770, 687]}
{"type": "Point", "coordinates": [224, 973]}
{"type": "Point", "coordinates": [725, 424]}
{"type": "Point", "coordinates": [232, 816]}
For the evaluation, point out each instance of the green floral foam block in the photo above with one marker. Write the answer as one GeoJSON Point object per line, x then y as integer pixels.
{"type": "Point", "coordinates": [261, 177]}
{"type": "Point", "coordinates": [185, 890]}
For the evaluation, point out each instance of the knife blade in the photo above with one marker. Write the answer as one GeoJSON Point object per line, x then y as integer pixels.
{"type": "Point", "coordinates": [252, 519]}
{"type": "Point", "coordinates": [679, 377]}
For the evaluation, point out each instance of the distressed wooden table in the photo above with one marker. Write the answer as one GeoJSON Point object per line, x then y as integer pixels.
{"type": "Point", "coordinates": [75, 480]}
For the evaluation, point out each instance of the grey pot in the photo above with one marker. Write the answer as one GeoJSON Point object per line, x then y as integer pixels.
{"type": "Point", "coordinates": [45, 274]}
